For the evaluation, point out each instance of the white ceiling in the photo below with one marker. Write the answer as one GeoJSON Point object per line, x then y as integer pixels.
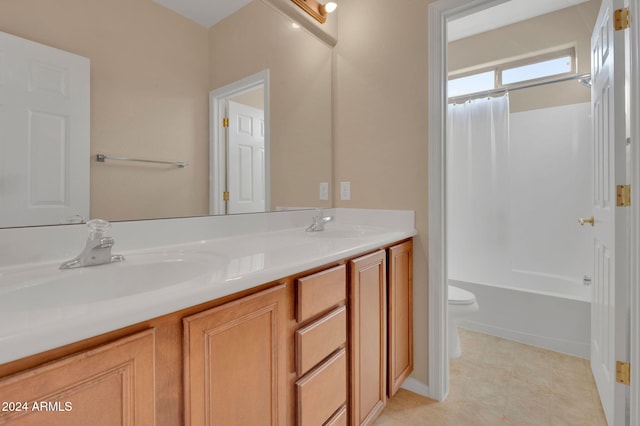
{"type": "Point", "coordinates": [205, 12]}
{"type": "Point", "coordinates": [504, 14]}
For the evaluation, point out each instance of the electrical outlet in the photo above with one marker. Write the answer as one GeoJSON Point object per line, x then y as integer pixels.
{"type": "Point", "coordinates": [324, 191]}
{"type": "Point", "coordinates": [345, 190]}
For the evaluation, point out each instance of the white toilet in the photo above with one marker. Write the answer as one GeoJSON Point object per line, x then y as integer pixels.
{"type": "Point", "coordinates": [461, 304]}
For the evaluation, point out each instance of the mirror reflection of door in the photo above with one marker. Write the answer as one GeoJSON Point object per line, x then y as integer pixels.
{"type": "Point", "coordinates": [44, 117]}
{"type": "Point", "coordinates": [239, 146]}
{"type": "Point", "coordinates": [246, 153]}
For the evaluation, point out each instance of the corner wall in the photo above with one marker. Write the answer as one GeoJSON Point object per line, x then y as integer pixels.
{"type": "Point", "coordinates": [380, 124]}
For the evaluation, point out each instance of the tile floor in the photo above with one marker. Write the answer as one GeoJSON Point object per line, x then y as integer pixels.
{"type": "Point", "coordinates": [501, 382]}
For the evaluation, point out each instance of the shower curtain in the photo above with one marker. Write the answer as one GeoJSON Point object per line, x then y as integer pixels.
{"type": "Point", "coordinates": [477, 189]}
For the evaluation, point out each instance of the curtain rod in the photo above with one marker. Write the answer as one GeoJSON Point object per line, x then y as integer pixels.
{"type": "Point", "coordinates": [464, 98]}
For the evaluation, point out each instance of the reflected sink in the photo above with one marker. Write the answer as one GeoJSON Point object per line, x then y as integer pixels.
{"type": "Point", "coordinates": [49, 287]}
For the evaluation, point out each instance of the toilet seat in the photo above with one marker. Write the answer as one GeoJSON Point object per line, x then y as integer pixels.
{"type": "Point", "coordinates": [458, 296]}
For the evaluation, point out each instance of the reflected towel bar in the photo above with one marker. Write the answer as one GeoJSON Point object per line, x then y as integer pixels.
{"type": "Point", "coordinates": [101, 158]}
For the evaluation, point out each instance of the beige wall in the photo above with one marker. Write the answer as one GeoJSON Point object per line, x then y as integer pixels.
{"type": "Point", "coordinates": [149, 86]}
{"type": "Point", "coordinates": [300, 95]}
{"type": "Point", "coordinates": [570, 26]}
{"type": "Point", "coordinates": [381, 116]}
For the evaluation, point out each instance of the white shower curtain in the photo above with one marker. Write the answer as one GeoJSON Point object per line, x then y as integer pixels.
{"type": "Point", "coordinates": [477, 189]}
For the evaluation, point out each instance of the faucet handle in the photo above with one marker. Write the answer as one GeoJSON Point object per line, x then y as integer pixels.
{"type": "Point", "coordinates": [98, 228]}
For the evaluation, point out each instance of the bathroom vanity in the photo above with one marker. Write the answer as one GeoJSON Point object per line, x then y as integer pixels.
{"type": "Point", "coordinates": [290, 328]}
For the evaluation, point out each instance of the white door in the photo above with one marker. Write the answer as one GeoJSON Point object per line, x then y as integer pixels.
{"type": "Point", "coordinates": [44, 134]}
{"type": "Point", "coordinates": [609, 306]}
{"type": "Point", "coordinates": [246, 159]}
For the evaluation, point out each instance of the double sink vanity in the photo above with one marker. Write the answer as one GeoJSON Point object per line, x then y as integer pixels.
{"type": "Point", "coordinates": [237, 320]}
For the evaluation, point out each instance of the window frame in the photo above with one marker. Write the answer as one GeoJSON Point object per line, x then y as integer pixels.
{"type": "Point", "coordinates": [535, 58]}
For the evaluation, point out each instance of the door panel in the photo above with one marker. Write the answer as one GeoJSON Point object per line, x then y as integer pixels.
{"type": "Point", "coordinates": [44, 125]}
{"type": "Point", "coordinates": [246, 168]}
{"type": "Point", "coordinates": [609, 293]}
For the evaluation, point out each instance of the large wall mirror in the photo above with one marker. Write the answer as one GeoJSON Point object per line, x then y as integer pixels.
{"type": "Point", "coordinates": [150, 75]}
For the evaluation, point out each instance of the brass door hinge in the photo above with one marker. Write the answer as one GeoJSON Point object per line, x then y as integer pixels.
{"type": "Point", "coordinates": [225, 122]}
{"type": "Point", "coordinates": [623, 372]}
{"type": "Point", "coordinates": [225, 195]}
{"type": "Point", "coordinates": [621, 19]}
{"type": "Point", "coordinates": [623, 195]}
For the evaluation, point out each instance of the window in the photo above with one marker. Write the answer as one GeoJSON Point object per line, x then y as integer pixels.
{"type": "Point", "coordinates": [472, 83]}
{"type": "Point", "coordinates": [538, 67]}
{"type": "Point", "coordinates": [537, 70]}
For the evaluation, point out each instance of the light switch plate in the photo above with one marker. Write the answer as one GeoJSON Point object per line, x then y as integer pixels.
{"type": "Point", "coordinates": [324, 191]}
{"type": "Point", "coordinates": [345, 190]}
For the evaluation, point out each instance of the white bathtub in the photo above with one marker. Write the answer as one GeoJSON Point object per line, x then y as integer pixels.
{"type": "Point", "coordinates": [546, 311]}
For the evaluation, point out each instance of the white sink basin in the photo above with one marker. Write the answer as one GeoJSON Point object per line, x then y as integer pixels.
{"type": "Point", "coordinates": [50, 287]}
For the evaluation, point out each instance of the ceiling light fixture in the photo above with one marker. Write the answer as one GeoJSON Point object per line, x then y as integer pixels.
{"type": "Point", "coordinates": [330, 6]}
{"type": "Point", "coordinates": [318, 9]}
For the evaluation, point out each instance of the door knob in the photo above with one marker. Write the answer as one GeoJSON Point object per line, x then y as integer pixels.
{"type": "Point", "coordinates": [584, 220]}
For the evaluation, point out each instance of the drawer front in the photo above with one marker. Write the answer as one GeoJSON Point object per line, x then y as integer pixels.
{"type": "Point", "coordinates": [323, 391]}
{"type": "Point", "coordinates": [339, 418]}
{"type": "Point", "coordinates": [320, 292]}
{"type": "Point", "coordinates": [319, 339]}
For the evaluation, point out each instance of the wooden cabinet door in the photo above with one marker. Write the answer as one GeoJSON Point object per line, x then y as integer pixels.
{"type": "Point", "coordinates": [235, 362]}
{"type": "Point", "coordinates": [111, 385]}
{"type": "Point", "coordinates": [400, 314]}
{"type": "Point", "coordinates": [368, 290]}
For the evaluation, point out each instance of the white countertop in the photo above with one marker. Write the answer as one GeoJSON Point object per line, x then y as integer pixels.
{"type": "Point", "coordinates": [34, 321]}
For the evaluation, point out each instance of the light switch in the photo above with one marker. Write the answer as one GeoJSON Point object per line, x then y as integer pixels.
{"type": "Point", "coordinates": [345, 190]}
{"type": "Point", "coordinates": [324, 191]}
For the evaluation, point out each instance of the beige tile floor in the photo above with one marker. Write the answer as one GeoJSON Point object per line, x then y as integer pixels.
{"type": "Point", "coordinates": [501, 382]}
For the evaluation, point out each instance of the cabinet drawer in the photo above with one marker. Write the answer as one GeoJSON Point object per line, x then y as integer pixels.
{"type": "Point", "coordinates": [319, 339]}
{"type": "Point", "coordinates": [320, 292]}
{"type": "Point", "coordinates": [321, 392]}
{"type": "Point", "coordinates": [339, 418]}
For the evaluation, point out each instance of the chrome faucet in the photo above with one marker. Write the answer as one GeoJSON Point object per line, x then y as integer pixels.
{"type": "Point", "coordinates": [318, 222]}
{"type": "Point", "coordinates": [98, 248]}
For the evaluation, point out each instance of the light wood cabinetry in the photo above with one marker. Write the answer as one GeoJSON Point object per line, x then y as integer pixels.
{"type": "Point", "coordinates": [110, 385]}
{"type": "Point", "coordinates": [319, 339]}
{"type": "Point", "coordinates": [400, 326]}
{"type": "Point", "coordinates": [235, 362]}
{"type": "Point", "coordinates": [340, 418]}
{"type": "Point", "coordinates": [323, 391]}
{"type": "Point", "coordinates": [320, 346]}
{"type": "Point", "coordinates": [368, 307]}
{"type": "Point", "coordinates": [319, 292]}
